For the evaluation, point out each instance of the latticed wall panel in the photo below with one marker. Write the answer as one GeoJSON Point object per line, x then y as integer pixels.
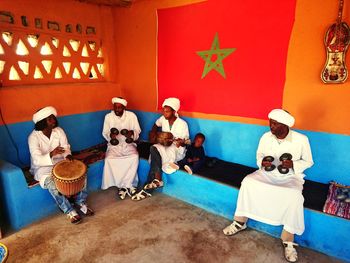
{"type": "Point", "coordinates": [32, 56]}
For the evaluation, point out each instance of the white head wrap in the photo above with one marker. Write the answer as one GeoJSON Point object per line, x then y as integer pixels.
{"type": "Point", "coordinates": [282, 116]}
{"type": "Point", "coordinates": [173, 103]}
{"type": "Point", "coordinates": [119, 100]}
{"type": "Point", "coordinates": [44, 113]}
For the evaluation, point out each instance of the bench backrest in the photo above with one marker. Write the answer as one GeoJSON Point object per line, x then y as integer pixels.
{"type": "Point", "coordinates": [229, 141]}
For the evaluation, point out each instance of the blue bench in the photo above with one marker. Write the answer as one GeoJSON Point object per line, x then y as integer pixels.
{"type": "Point", "coordinates": [216, 191]}
{"type": "Point", "coordinates": [325, 233]}
{"type": "Point", "coordinates": [23, 205]}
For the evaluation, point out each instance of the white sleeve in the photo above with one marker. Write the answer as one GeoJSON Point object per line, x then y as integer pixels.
{"type": "Point", "coordinates": [180, 131]}
{"type": "Point", "coordinates": [186, 133]}
{"type": "Point", "coordinates": [260, 151]}
{"type": "Point", "coordinates": [305, 160]}
{"type": "Point", "coordinates": [38, 158]}
{"type": "Point", "coordinates": [106, 129]}
{"type": "Point", "coordinates": [159, 121]}
{"type": "Point", "coordinates": [136, 127]}
{"type": "Point", "coordinates": [64, 142]}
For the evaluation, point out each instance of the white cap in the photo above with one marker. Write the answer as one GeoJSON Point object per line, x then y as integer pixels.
{"type": "Point", "coordinates": [119, 100]}
{"type": "Point", "coordinates": [282, 116]}
{"type": "Point", "coordinates": [173, 103]}
{"type": "Point", "coordinates": [44, 113]}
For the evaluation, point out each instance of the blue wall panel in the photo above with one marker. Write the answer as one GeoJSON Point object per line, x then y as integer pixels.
{"type": "Point", "coordinates": [237, 142]}
{"type": "Point", "coordinates": [83, 130]}
{"type": "Point", "coordinates": [230, 141]}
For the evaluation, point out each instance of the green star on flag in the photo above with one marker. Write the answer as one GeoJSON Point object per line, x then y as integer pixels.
{"type": "Point", "coordinates": [213, 57]}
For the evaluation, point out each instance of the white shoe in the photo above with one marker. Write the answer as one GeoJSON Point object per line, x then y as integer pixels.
{"type": "Point", "coordinates": [86, 210]}
{"type": "Point", "coordinates": [74, 217]}
{"type": "Point", "coordinates": [140, 195]}
{"type": "Point", "coordinates": [188, 169]}
{"type": "Point", "coordinates": [174, 166]}
{"type": "Point", "coordinates": [131, 191]}
{"type": "Point", "coordinates": [290, 253]}
{"type": "Point", "coordinates": [234, 228]}
{"type": "Point", "coordinates": [122, 193]}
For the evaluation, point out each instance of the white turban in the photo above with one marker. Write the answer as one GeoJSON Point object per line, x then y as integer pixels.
{"type": "Point", "coordinates": [120, 100]}
{"type": "Point", "coordinates": [44, 113]}
{"type": "Point", "coordinates": [282, 116]}
{"type": "Point", "coordinates": [173, 103]}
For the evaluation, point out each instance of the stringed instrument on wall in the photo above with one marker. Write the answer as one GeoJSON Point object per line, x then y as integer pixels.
{"type": "Point", "coordinates": [336, 41]}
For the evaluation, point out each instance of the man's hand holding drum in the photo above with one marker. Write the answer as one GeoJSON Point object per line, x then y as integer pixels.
{"type": "Point", "coordinates": [56, 151]}
{"type": "Point", "coordinates": [69, 157]}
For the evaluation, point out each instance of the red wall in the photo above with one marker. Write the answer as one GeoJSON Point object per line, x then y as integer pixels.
{"type": "Point", "coordinates": [316, 106]}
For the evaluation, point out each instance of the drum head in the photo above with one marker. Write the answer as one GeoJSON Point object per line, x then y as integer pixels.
{"type": "Point", "coordinates": [69, 169]}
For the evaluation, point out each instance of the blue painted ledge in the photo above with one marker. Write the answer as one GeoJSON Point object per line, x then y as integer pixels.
{"type": "Point", "coordinates": [325, 233]}
{"type": "Point", "coordinates": [22, 206]}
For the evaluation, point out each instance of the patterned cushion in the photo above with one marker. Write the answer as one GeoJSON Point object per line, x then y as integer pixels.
{"type": "Point", "coordinates": [338, 200]}
{"type": "Point", "coordinates": [88, 156]}
{"type": "Point", "coordinates": [92, 154]}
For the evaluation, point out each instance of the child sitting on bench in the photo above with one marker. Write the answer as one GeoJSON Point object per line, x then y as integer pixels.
{"type": "Point", "coordinates": [195, 156]}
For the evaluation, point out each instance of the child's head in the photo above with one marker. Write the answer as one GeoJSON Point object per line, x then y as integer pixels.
{"type": "Point", "coordinates": [199, 139]}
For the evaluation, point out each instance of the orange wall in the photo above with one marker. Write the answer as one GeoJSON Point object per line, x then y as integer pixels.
{"type": "Point", "coordinates": [18, 103]}
{"type": "Point", "coordinates": [129, 41]}
{"type": "Point", "coordinates": [136, 46]}
{"type": "Point", "coordinates": [316, 106]}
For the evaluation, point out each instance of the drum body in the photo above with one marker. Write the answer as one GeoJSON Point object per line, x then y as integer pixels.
{"type": "Point", "coordinates": [165, 138]}
{"type": "Point", "coordinates": [69, 176]}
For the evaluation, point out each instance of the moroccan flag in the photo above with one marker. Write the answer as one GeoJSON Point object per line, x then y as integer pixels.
{"type": "Point", "coordinates": [225, 56]}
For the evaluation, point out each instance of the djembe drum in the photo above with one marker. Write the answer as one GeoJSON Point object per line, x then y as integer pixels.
{"type": "Point", "coordinates": [69, 176]}
{"type": "Point", "coordinates": [165, 138]}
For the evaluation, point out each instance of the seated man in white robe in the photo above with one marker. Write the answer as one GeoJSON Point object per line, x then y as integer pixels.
{"type": "Point", "coordinates": [48, 145]}
{"type": "Point", "coordinates": [122, 158]}
{"type": "Point", "coordinates": [163, 157]}
{"type": "Point", "coordinates": [273, 194]}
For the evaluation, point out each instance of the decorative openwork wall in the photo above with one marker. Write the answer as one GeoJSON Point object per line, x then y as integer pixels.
{"type": "Point", "coordinates": [32, 55]}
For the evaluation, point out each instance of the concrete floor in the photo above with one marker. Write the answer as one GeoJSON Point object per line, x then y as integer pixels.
{"type": "Point", "coordinates": [158, 229]}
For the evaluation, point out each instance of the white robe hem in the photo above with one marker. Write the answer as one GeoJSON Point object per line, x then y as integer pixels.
{"type": "Point", "coordinates": [269, 222]}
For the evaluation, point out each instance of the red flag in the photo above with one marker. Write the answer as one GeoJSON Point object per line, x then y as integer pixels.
{"type": "Point", "coordinates": [248, 79]}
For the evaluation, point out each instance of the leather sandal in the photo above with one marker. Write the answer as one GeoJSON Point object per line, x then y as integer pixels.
{"type": "Point", "coordinates": [74, 217]}
{"type": "Point", "coordinates": [234, 228]}
{"type": "Point", "coordinates": [85, 210]}
{"type": "Point", "coordinates": [140, 195]}
{"type": "Point", "coordinates": [154, 184]}
{"type": "Point", "coordinates": [290, 253]}
{"type": "Point", "coordinates": [132, 191]}
{"type": "Point", "coordinates": [122, 193]}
